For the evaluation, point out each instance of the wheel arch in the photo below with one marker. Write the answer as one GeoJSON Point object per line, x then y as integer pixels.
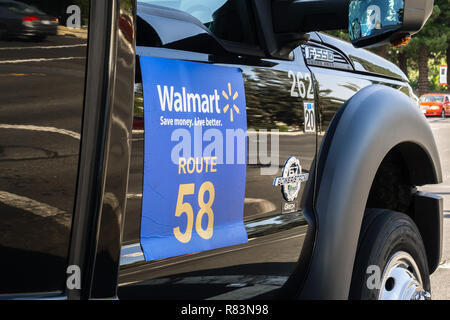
{"type": "Point", "coordinates": [406, 166]}
{"type": "Point", "coordinates": [419, 163]}
{"type": "Point", "coordinates": [357, 141]}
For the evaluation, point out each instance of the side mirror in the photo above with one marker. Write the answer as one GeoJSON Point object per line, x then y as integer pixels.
{"type": "Point", "coordinates": [285, 23]}
{"type": "Point", "coordinates": [377, 22]}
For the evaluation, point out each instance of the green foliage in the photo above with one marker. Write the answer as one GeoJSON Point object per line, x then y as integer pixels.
{"type": "Point", "coordinates": [341, 34]}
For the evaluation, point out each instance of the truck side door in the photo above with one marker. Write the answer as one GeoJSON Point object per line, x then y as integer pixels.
{"type": "Point", "coordinates": [277, 93]}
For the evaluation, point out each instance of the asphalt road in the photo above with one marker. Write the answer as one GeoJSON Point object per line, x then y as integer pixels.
{"type": "Point", "coordinates": [42, 85]}
{"type": "Point", "coordinates": [440, 279]}
{"type": "Point", "coordinates": [40, 137]}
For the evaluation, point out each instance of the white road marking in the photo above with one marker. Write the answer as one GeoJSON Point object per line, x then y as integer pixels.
{"type": "Point", "coordinates": [132, 255]}
{"type": "Point", "coordinates": [242, 280]}
{"type": "Point", "coordinates": [275, 132]}
{"type": "Point", "coordinates": [69, 133]}
{"type": "Point", "coordinates": [38, 208]}
{"type": "Point", "coordinates": [230, 281]}
{"type": "Point", "coordinates": [134, 195]}
{"type": "Point", "coordinates": [44, 47]}
{"type": "Point", "coordinates": [22, 74]}
{"type": "Point", "coordinates": [39, 60]}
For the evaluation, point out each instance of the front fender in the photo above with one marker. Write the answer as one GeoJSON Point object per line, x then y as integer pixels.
{"type": "Point", "coordinates": [370, 124]}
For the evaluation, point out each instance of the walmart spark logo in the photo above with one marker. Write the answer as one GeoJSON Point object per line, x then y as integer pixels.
{"type": "Point", "coordinates": [230, 99]}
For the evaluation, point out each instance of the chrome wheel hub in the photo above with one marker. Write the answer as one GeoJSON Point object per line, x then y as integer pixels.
{"type": "Point", "coordinates": [401, 279]}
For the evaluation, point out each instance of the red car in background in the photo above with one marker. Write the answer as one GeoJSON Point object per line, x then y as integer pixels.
{"type": "Point", "coordinates": [435, 104]}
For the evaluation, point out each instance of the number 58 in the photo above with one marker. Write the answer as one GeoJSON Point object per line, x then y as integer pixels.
{"type": "Point", "coordinates": [205, 208]}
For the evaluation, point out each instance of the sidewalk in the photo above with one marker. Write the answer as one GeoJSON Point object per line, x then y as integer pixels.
{"type": "Point", "coordinates": [79, 33]}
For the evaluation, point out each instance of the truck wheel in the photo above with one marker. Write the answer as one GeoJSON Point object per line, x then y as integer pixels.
{"type": "Point", "coordinates": [391, 262]}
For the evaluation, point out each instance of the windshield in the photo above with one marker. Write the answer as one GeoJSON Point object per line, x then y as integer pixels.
{"type": "Point", "coordinates": [432, 99]}
{"type": "Point", "coordinates": [203, 10]}
{"type": "Point", "coordinates": [229, 20]}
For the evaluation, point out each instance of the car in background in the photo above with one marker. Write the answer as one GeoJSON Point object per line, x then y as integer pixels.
{"type": "Point", "coordinates": [18, 19]}
{"type": "Point", "coordinates": [435, 104]}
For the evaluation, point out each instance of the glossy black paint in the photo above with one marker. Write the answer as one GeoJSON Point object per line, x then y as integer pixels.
{"type": "Point", "coordinates": [364, 61]}
{"type": "Point", "coordinates": [118, 156]}
{"type": "Point", "coordinates": [42, 90]}
{"type": "Point", "coordinates": [359, 68]}
{"type": "Point", "coordinates": [275, 237]}
{"type": "Point", "coordinates": [105, 149]}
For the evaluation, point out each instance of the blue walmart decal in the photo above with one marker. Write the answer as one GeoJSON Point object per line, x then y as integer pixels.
{"type": "Point", "coordinates": [195, 157]}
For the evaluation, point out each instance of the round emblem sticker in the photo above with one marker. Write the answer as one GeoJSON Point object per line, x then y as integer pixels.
{"type": "Point", "coordinates": [291, 179]}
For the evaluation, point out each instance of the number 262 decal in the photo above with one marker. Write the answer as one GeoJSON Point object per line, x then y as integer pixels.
{"type": "Point", "coordinates": [302, 86]}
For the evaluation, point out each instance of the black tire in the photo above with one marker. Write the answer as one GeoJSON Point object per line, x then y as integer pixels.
{"type": "Point", "coordinates": [383, 234]}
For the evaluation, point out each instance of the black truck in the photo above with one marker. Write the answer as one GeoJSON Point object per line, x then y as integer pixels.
{"type": "Point", "coordinates": [217, 149]}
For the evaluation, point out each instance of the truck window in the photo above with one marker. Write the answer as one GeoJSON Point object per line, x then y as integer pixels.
{"type": "Point", "coordinates": [42, 74]}
{"type": "Point", "coordinates": [229, 20]}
